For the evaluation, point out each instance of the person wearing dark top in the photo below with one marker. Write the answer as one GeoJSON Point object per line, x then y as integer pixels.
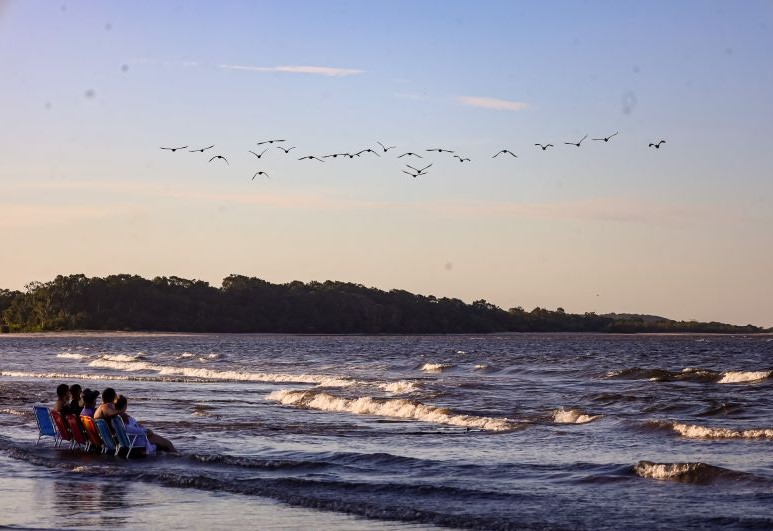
{"type": "Point", "coordinates": [76, 406]}
{"type": "Point", "coordinates": [63, 396]}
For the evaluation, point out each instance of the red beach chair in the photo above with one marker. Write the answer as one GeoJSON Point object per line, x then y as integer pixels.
{"type": "Point", "coordinates": [61, 427]}
{"type": "Point", "coordinates": [78, 436]}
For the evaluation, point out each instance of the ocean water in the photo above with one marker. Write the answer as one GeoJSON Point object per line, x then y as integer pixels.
{"type": "Point", "coordinates": [510, 431]}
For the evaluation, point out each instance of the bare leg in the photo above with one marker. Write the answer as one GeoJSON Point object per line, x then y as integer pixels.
{"type": "Point", "coordinates": [163, 444]}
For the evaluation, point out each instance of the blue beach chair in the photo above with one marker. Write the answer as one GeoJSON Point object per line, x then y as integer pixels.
{"type": "Point", "coordinates": [108, 443]}
{"type": "Point", "coordinates": [45, 424]}
{"type": "Point", "coordinates": [130, 441]}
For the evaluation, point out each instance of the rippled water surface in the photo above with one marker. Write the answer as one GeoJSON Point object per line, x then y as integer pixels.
{"type": "Point", "coordinates": [383, 432]}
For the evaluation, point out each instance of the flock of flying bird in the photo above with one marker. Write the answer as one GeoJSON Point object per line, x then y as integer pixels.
{"type": "Point", "coordinates": [411, 170]}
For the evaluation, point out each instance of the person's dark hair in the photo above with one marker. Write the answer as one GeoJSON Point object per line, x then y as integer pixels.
{"type": "Point", "coordinates": [108, 395]}
{"type": "Point", "coordinates": [75, 390]}
{"type": "Point", "coordinates": [62, 390]}
{"type": "Point", "coordinates": [90, 397]}
{"type": "Point", "coordinates": [120, 402]}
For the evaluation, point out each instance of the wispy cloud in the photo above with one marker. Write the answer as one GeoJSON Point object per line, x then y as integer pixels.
{"type": "Point", "coordinates": [493, 103]}
{"type": "Point", "coordinates": [40, 215]}
{"type": "Point", "coordinates": [604, 209]}
{"type": "Point", "coordinates": [135, 195]}
{"type": "Point", "coordinates": [316, 70]}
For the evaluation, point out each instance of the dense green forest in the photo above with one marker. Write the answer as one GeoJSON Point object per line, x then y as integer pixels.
{"type": "Point", "coordinates": [246, 304]}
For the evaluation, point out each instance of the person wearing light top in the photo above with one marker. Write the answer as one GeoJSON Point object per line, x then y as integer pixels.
{"type": "Point", "coordinates": [153, 440]}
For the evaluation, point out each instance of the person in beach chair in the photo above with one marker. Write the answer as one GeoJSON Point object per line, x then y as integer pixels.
{"type": "Point", "coordinates": [107, 409]}
{"type": "Point", "coordinates": [154, 440]}
{"type": "Point", "coordinates": [75, 404]}
{"type": "Point", "coordinates": [89, 403]}
{"type": "Point", "coordinates": [62, 405]}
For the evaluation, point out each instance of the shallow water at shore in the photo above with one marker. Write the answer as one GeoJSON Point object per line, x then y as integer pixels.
{"type": "Point", "coordinates": [349, 432]}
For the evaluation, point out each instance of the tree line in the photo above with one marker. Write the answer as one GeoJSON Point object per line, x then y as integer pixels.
{"type": "Point", "coordinates": [249, 304]}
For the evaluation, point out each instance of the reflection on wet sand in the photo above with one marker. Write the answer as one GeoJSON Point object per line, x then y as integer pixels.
{"type": "Point", "coordinates": [83, 503]}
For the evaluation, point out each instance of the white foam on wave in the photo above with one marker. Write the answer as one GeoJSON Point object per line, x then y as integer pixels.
{"type": "Point", "coordinates": [573, 416]}
{"type": "Point", "coordinates": [744, 376]}
{"type": "Point", "coordinates": [647, 469]}
{"type": "Point", "coordinates": [481, 366]}
{"type": "Point", "coordinates": [436, 367]}
{"type": "Point", "coordinates": [122, 365]}
{"type": "Point", "coordinates": [15, 412]}
{"type": "Point", "coordinates": [71, 355]}
{"type": "Point", "coordinates": [62, 375]}
{"type": "Point", "coordinates": [211, 374]}
{"type": "Point", "coordinates": [395, 408]}
{"type": "Point", "coordinates": [123, 357]}
{"type": "Point", "coordinates": [185, 355]}
{"type": "Point", "coordinates": [694, 431]}
{"type": "Point", "coordinates": [399, 387]}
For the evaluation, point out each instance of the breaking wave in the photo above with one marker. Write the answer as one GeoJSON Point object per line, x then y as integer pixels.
{"type": "Point", "coordinates": [743, 377]}
{"type": "Point", "coordinates": [695, 431]}
{"type": "Point", "coordinates": [123, 357]}
{"type": "Point", "coordinates": [399, 387]}
{"type": "Point", "coordinates": [436, 367]}
{"type": "Point", "coordinates": [689, 374]}
{"type": "Point", "coordinates": [211, 374]}
{"type": "Point", "coordinates": [71, 355]}
{"type": "Point", "coordinates": [698, 473]}
{"type": "Point", "coordinates": [395, 408]}
{"type": "Point", "coordinates": [67, 376]}
{"type": "Point", "coordinates": [573, 416]}
{"type": "Point", "coordinates": [15, 412]}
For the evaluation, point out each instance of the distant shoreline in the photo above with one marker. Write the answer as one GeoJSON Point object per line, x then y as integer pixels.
{"type": "Point", "coordinates": [249, 305]}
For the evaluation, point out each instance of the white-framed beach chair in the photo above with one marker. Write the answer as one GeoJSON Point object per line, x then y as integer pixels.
{"type": "Point", "coordinates": [129, 441]}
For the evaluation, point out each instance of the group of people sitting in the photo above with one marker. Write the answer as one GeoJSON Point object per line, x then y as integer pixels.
{"type": "Point", "coordinates": [72, 399]}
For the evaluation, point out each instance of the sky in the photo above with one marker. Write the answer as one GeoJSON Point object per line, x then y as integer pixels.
{"type": "Point", "coordinates": [90, 91]}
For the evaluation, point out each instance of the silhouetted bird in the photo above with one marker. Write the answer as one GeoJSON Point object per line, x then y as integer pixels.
{"type": "Point", "coordinates": [367, 151]}
{"type": "Point", "coordinates": [409, 154]}
{"type": "Point", "coordinates": [505, 151]}
{"type": "Point", "coordinates": [174, 149]}
{"type": "Point", "coordinates": [419, 171]}
{"type": "Point", "coordinates": [461, 159]}
{"type": "Point", "coordinates": [335, 155]}
{"type": "Point", "coordinates": [202, 150]}
{"type": "Point", "coordinates": [411, 174]}
{"type": "Point", "coordinates": [385, 148]}
{"type": "Point", "coordinates": [545, 146]}
{"type": "Point", "coordinates": [260, 173]}
{"type": "Point", "coordinates": [261, 153]}
{"type": "Point", "coordinates": [268, 142]}
{"type": "Point", "coordinates": [219, 157]}
{"type": "Point", "coordinates": [285, 150]}
{"type": "Point", "coordinates": [441, 150]}
{"type": "Point", "coordinates": [311, 157]}
{"type": "Point", "coordinates": [578, 143]}
{"type": "Point", "coordinates": [606, 138]}
{"type": "Point", "coordinates": [657, 146]}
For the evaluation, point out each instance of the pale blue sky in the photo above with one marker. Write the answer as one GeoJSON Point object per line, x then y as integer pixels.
{"type": "Point", "coordinates": [91, 90]}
